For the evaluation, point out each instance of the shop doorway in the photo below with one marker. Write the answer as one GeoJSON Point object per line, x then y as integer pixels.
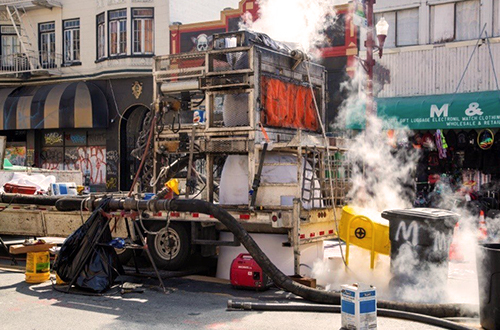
{"type": "Point", "coordinates": [130, 128]}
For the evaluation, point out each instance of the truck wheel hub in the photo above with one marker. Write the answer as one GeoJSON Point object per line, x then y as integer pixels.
{"type": "Point", "coordinates": [167, 244]}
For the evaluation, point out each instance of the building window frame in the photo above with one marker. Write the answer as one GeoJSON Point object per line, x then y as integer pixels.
{"type": "Point", "coordinates": [47, 43]}
{"type": "Point", "coordinates": [71, 42]}
{"type": "Point", "coordinates": [458, 35]}
{"type": "Point", "coordinates": [140, 33]}
{"type": "Point", "coordinates": [495, 19]}
{"type": "Point", "coordinates": [117, 32]}
{"type": "Point", "coordinates": [14, 45]}
{"type": "Point", "coordinates": [397, 33]}
{"type": "Point", "coordinates": [100, 36]}
{"type": "Point", "coordinates": [458, 32]}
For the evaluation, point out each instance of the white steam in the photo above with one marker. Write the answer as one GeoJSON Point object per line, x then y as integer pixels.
{"type": "Point", "coordinates": [382, 176]}
{"type": "Point", "coordinates": [294, 21]}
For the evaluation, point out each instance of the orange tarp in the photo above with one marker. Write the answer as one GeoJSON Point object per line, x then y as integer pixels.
{"type": "Point", "coordinates": [288, 105]}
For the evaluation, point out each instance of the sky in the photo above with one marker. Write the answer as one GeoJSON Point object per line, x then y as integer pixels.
{"type": "Point", "coordinates": [193, 11]}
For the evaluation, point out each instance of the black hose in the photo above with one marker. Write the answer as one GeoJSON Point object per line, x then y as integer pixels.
{"type": "Point", "coordinates": [280, 307]}
{"type": "Point", "coordinates": [278, 277]}
{"type": "Point", "coordinates": [35, 199]}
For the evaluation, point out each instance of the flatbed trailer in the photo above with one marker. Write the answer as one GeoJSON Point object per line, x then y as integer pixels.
{"type": "Point", "coordinates": [248, 100]}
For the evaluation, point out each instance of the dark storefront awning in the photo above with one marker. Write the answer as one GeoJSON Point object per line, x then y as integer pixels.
{"type": "Point", "coordinates": [446, 111]}
{"type": "Point", "coordinates": [65, 105]}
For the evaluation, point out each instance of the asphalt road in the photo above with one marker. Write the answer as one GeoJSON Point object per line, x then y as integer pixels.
{"type": "Point", "coordinates": [191, 303]}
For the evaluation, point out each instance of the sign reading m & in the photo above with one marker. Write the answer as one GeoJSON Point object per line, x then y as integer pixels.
{"type": "Point", "coordinates": [437, 112]}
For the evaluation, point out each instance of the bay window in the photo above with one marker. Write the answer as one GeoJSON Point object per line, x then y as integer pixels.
{"type": "Point", "coordinates": [143, 31]}
{"type": "Point", "coordinates": [118, 32]}
{"type": "Point", "coordinates": [101, 36]}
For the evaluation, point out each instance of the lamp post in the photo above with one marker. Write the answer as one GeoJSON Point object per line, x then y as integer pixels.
{"type": "Point", "coordinates": [368, 64]}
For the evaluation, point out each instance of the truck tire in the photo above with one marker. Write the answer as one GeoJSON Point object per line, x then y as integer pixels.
{"type": "Point", "coordinates": [124, 255]}
{"type": "Point", "coordinates": [169, 250]}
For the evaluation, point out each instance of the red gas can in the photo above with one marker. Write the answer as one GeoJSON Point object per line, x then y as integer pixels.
{"type": "Point", "coordinates": [247, 274]}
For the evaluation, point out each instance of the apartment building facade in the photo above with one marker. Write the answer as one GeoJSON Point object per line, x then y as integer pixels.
{"type": "Point", "coordinates": [76, 83]}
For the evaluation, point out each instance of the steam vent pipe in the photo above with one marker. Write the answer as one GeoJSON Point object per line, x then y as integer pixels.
{"type": "Point", "coordinates": [280, 279]}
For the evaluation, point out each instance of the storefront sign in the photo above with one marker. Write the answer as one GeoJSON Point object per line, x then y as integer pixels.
{"type": "Point", "coordinates": [450, 111]}
{"type": "Point", "coordinates": [485, 139]}
{"type": "Point", "coordinates": [359, 17]}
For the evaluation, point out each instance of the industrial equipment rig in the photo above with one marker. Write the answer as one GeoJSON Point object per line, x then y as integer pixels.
{"type": "Point", "coordinates": [241, 126]}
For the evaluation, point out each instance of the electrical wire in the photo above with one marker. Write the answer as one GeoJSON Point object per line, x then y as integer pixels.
{"type": "Point", "coordinates": [491, 59]}
{"type": "Point", "coordinates": [470, 59]}
{"type": "Point", "coordinates": [144, 155]}
{"type": "Point", "coordinates": [114, 99]}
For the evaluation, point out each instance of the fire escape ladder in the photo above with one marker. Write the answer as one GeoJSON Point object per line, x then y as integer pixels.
{"type": "Point", "coordinates": [27, 46]}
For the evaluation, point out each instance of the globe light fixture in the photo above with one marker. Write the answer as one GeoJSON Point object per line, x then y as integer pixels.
{"type": "Point", "coordinates": [382, 28]}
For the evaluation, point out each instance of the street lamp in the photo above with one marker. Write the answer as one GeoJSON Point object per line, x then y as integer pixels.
{"type": "Point", "coordinates": [382, 28]}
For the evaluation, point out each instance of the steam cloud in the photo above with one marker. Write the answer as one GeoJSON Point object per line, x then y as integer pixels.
{"type": "Point", "coordinates": [294, 21]}
{"type": "Point", "coordinates": [381, 176]}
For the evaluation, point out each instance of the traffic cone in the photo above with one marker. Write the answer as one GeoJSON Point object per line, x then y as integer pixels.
{"type": "Point", "coordinates": [483, 231]}
{"type": "Point", "coordinates": [455, 253]}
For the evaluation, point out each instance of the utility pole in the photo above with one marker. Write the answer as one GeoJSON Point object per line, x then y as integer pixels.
{"type": "Point", "coordinates": [370, 45]}
{"type": "Point", "coordinates": [369, 62]}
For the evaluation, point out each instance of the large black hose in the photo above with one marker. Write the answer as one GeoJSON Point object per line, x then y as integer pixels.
{"type": "Point", "coordinates": [280, 279]}
{"type": "Point", "coordinates": [280, 307]}
{"type": "Point", "coordinates": [34, 199]}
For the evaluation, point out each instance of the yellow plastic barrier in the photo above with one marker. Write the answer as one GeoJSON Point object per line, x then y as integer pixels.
{"type": "Point", "coordinates": [365, 233]}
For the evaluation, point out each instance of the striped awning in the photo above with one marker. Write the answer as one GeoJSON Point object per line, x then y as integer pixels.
{"type": "Point", "coordinates": [65, 105]}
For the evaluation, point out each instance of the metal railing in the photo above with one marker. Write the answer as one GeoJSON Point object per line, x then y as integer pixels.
{"type": "Point", "coordinates": [23, 62]}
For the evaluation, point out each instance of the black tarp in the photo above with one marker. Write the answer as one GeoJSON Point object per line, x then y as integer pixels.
{"type": "Point", "coordinates": [85, 256]}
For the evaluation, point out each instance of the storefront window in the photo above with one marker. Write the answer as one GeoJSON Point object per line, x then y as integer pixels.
{"type": "Point", "coordinates": [82, 150]}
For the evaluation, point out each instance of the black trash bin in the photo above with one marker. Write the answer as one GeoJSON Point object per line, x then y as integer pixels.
{"type": "Point", "coordinates": [420, 245]}
{"type": "Point", "coordinates": [488, 271]}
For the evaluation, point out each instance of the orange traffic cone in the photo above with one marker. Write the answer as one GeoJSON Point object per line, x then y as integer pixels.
{"type": "Point", "coordinates": [483, 231]}
{"type": "Point", "coordinates": [455, 253]}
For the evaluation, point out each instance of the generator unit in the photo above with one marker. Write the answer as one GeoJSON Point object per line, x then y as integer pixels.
{"type": "Point", "coordinates": [247, 274]}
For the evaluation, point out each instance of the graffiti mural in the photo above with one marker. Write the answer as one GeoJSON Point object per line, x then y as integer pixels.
{"type": "Point", "coordinates": [85, 159]}
{"type": "Point", "coordinates": [53, 138]}
{"type": "Point", "coordinates": [112, 183]}
{"type": "Point", "coordinates": [91, 160]}
{"type": "Point", "coordinates": [76, 139]}
{"type": "Point", "coordinates": [52, 158]}
{"type": "Point", "coordinates": [16, 155]}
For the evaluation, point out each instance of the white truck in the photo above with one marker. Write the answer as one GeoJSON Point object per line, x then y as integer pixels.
{"type": "Point", "coordinates": [239, 125]}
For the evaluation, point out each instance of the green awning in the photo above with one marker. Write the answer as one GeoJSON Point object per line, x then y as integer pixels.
{"type": "Point", "coordinates": [446, 111]}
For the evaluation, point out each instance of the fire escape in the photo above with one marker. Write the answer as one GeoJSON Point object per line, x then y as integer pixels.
{"type": "Point", "coordinates": [22, 58]}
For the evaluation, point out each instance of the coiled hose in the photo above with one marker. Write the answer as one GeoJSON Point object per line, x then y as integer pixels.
{"type": "Point", "coordinates": [280, 279]}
